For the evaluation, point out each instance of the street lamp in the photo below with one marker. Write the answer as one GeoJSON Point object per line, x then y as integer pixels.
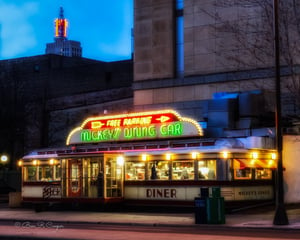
{"type": "Point", "coordinates": [280, 217]}
{"type": "Point", "coordinates": [4, 158]}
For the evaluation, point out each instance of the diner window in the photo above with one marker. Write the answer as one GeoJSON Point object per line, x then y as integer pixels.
{"type": "Point", "coordinates": [245, 173]}
{"type": "Point", "coordinates": [49, 173]}
{"type": "Point", "coordinates": [183, 170]}
{"type": "Point", "coordinates": [30, 173]}
{"type": "Point", "coordinates": [135, 170]}
{"type": "Point", "coordinates": [57, 172]}
{"type": "Point", "coordinates": [158, 170]}
{"type": "Point", "coordinates": [94, 170]}
{"type": "Point", "coordinates": [242, 169]}
{"type": "Point", "coordinates": [207, 169]}
{"type": "Point", "coordinates": [42, 173]}
{"type": "Point", "coordinates": [263, 173]}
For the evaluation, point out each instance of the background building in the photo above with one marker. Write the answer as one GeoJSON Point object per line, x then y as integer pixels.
{"type": "Point", "coordinates": [43, 97]}
{"type": "Point", "coordinates": [190, 54]}
{"type": "Point", "coordinates": [63, 46]}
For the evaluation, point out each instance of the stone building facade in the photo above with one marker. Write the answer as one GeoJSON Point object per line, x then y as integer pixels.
{"type": "Point", "coordinates": [186, 52]}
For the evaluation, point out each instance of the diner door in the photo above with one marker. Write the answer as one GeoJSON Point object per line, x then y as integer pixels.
{"type": "Point", "coordinates": [74, 177]}
{"type": "Point", "coordinates": [114, 176]}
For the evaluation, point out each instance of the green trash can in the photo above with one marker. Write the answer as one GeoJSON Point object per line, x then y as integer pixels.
{"type": "Point", "coordinates": [216, 192]}
{"type": "Point", "coordinates": [215, 210]}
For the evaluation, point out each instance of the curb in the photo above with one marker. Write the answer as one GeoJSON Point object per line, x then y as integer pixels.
{"type": "Point", "coordinates": [204, 226]}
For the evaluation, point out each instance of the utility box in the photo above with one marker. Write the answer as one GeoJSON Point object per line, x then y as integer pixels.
{"type": "Point", "coordinates": [200, 211]}
{"type": "Point", "coordinates": [14, 199]}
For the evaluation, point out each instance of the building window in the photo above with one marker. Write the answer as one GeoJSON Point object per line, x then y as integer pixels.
{"type": "Point", "coordinates": [158, 170]}
{"type": "Point", "coordinates": [183, 170]}
{"type": "Point", "coordinates": [207, 169]}
{"type": "Point", "coordinates": [135, 170]}
{"type": "Point", "coordinates": [45, 173]}
{"type": "Point", "coordinates": [263, 173]}
{"type": "Point", "coordinates": [252, 169]}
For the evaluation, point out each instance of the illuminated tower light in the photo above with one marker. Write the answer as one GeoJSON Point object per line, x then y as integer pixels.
{"type": "Point", "coordinates": [61, 25]}
{"type": "Point", "coordinates": [63, 46]}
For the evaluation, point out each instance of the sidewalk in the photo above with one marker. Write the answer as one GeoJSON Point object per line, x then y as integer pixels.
{"type": "Point", "coordinates": [263, 219]}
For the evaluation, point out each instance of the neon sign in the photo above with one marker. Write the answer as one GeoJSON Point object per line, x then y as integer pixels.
{"type": "Point", "coordinates": [126, 121]}
{"type": "Point", "coordinates": [134, 126]}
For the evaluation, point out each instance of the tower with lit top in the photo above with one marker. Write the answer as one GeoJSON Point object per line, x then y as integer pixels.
{"type": "Point", "coordinates": [63, 46]}
{"type": "Point", "coordinates": [61, 25]}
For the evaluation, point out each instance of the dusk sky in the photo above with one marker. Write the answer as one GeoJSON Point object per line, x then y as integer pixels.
{"type": "Point", "coordinates": [102, 26]}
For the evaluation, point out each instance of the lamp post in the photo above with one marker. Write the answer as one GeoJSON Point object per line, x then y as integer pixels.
{"type": "Point", "coordinates": [280, 217]}
{"type": "Point", "coordinates": [4, 159]}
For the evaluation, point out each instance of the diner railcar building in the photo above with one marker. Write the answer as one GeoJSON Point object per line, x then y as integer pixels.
{"type": "Point", "coordinates": [147, 158]}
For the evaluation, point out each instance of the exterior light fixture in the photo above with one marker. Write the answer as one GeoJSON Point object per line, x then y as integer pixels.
{"type": "Point", "coordinates": [4, 158]}
{"type": "Point", "coordinates": [225, 154]}
{"type": "Point", "coordinates": [144, 157]}
{"type": "Point", "coordinates": [35, 162]}
{"type": "Point", "coordinates": [120, 160]}
{"type": "Point", "coordinates": [168, 156]}
{"type": "Point", "coordinates": [254, 155]}
{"type": "Point", "coordinates": [273, 156]}
{"type": "Point", "coordinates": [51, 161]}
{"type": "Point", "coordinates": [194, 155]}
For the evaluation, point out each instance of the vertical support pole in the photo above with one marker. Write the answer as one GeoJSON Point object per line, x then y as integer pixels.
{"type": "Point", "coordinates": [280, 217]}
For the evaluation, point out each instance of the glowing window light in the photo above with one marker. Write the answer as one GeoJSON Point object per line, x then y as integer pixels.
{"type": "Point", "coordinates": [204, 170]}
{"type": "Point", "coordinates": [202, 163]}
{"type": "Point", "coordinates": [120, 160]}
{"type": "Point", "coordinates": [270, 163]}
{"type": "Point", "coordinates": [168, 156]}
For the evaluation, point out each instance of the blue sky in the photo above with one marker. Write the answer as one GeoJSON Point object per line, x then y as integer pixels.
{"type": "Point", "coordinates": [102, 26]}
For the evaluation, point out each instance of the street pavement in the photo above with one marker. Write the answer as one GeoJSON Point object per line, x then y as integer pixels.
{"type": "Point", "coordinates": [254, 218]}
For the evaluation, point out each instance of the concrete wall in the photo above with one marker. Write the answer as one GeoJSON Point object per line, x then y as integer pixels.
{"type": "Point", "coordinates": [291, 159]}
